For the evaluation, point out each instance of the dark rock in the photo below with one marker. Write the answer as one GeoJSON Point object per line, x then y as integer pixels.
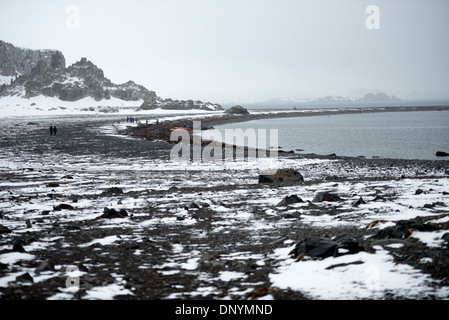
{"type": "Point", "coordinates": [133, 247]}
{"type": "Point", "coordinates": [445, 237]}
{"type": "Point", "coordinates": [45, 212]}
{"type": "Point", "coordinates": [63, 206]}
{"type": "Point", "coordinates": [52, 184]}
{"type": "Point", "coordinates": [26, 277]}
{"type": "Point", "coordinates": [348, 244]}
{"type": "Point", "coordinates": [46, 265]}
{"type": "Point", "coordinates": [192, 205]}
{"type": "Point", "coordinates": [123, 212]}
{"type": "Point", "coordinates": [208, 256]}
{"type": "Point", "coordinates": [292, 215]}
{"type": "Point", "coordinates": [282, 176]}
{"type": "Point", "coordinates": [343, 264]}
{"type": "Point", "coordinates": [112, 213]}
{"type": "Point", "coordinates": [112, 191]}
{"type": "Point", "coordinates": [441, 154]}
{"type": "Point", "coordinates": [237, 110]}
{"type": "Point", "coordinates": [83, 268]}
{"type": "Point", "coordinates": [359, 202]}
{"type": "Point", "coordinates": [402, 229]}
{"type": "Point", "coordinates": [18, 245]}
{"type": "Point", "coordinates": [4, 229]}
{"type": "Point", "coordinates": [419, 191]}
{"type": "Point", "coordinates": [319, 247]}
{"type": "Point", "coordinates": [326, 196]}
{"type": "Point", "coordinates": [290, 200]}
{"type": "Point", "coordinates": [378, 198]}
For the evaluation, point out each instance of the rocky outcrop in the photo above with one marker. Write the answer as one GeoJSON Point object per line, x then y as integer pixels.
{"type": "Point", "coordinates": [153, 102]}
{"type": "Point", "coordinates": [442, 154]}
{"type": "Point", "coordinates": [80, 80]}
{"type": "Point", "coordinates": [237, 110]}
{"type": "Point", "coordinates": [326, 196]}
{"type": "Point", "coordinates": [43, 72]}
{"type": "Point", "coordinates": [292, 199]}
{"type": "Point", "coordinates": [323, 247]}
{"type": "Point", "coordinates": [287, 176]}
{"type": "Point", "coordinates": [15, 61]}
{"type": "Point", "coordinates": [403, 229]}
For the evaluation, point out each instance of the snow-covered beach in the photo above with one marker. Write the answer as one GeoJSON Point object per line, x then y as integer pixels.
{"type": "Point", "coordinates": [135, 225]}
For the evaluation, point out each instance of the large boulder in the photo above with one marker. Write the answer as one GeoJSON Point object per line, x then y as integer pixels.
{"type": "Point", "coordinates": [237, 110]}
{"type": "Point", "coordinates": [326, 196]}
{"type": "Point", "coordinates": [403, 228]}
{"type": "Point", "coordinates": [282, 176]}
{"type": "Point", "coordinates": [323, 247]}
{"type": "Point", "coordinates": [442, 154]}
{"type": "Point", "coordinates": [290, 200]}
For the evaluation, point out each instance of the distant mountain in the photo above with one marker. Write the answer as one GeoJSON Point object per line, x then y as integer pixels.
{"type": "Point", "coordinates": [288, 101]}
{"type": "Point", "coordinates": [29, 73]}
{"type": "Point", "coordinates": [368, 97]}
{"type": "Point", "coordinates": [380, 96]}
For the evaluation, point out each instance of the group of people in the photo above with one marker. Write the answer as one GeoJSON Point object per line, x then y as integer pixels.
{"type": "Point", "coordinates": [135, 120]}
{"type": "Point", "coordinates": [131, 119]}
{"type": "Point", "coordinates": [53, 130]}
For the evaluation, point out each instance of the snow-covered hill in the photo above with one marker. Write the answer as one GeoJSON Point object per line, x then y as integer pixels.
{"type": "Point", "coordinates": [28, 76]}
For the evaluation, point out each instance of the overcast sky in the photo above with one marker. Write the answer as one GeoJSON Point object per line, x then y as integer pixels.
{"type": "Point", "coordinates": [246, 50]}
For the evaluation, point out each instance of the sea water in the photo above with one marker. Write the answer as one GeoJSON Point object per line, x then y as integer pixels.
{"type": "Point", "coordinates": [396, 135]}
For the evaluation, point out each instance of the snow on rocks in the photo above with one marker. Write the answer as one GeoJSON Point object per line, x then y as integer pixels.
{"type": "Point", "coordinates": [210, 231]}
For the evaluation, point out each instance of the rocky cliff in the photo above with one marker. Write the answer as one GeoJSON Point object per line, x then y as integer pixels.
{"type": "Point", "coordinates": [15, 61]}
{"type": "Point", "coordinates": [33, 73]}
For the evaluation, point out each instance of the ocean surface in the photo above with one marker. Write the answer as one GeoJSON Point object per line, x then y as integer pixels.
{"type": "Point", "coordinates": [396, 135]}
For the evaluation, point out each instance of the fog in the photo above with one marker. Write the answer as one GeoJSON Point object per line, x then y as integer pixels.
{"type": "Point", "coordinates": [247, 50]}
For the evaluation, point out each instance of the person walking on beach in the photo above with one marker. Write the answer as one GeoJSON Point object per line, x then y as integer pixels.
{"type": "Point", "coordinates": [51, 130]}
{"type": "Point", "coordinates": [55, 130]}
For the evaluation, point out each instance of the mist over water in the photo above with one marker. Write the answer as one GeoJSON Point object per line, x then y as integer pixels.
{"type": "Point", "coordinates": [396, 135]}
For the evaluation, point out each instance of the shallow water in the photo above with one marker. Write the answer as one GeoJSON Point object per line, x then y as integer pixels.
{"type": "Point", "coordinates": [396, 135]}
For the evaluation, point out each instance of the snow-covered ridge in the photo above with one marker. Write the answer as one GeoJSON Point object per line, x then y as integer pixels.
{"type": "Point", "coordinates": [17, 106]}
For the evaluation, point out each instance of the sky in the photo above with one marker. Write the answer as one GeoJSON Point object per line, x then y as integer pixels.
{"type": "Point", "coordinates": [247, 50]}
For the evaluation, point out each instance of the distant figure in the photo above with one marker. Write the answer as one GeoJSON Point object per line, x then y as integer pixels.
{"type": "Point", "coordinates": [55, 130]}
{"type": "Point", "coordinates": [51, 130]}
{"type": "Point", "coordinates": [157, 122]}
{"type": "Point", "coordinates": [127, 118]}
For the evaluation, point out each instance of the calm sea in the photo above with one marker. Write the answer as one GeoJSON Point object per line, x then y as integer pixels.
{"type": "Point", "coordinates": [397, 135]}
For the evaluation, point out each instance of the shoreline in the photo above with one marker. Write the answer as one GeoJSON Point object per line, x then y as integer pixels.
{"type": "Point", "coordinates": [162, 131]}
{"type": "Point", "coordinates": [140, 227]}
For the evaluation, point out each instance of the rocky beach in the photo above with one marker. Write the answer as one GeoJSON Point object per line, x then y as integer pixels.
{"type": "Point", "coordinates": [100, 212]}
